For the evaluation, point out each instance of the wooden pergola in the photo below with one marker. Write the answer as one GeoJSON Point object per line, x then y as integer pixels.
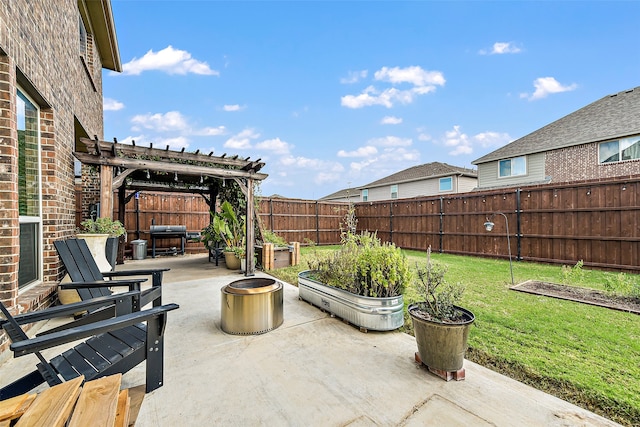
{"type": "Point", "coordinates": [131, 168]}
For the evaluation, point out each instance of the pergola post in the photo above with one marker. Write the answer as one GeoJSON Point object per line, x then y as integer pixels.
{"type": "Point", "coordinates": [250, 231]}
{"type": "Point", "coordinates": [106, 191]}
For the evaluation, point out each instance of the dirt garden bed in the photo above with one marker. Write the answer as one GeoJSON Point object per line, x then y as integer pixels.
{"type": "Point", "coordinates": [582, 295]}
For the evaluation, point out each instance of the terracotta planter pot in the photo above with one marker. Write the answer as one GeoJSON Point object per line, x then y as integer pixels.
{"type": "Point", "coordinates": [442, 345]}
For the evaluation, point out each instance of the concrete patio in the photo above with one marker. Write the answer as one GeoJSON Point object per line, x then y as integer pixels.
{"type": "Point", "coordinates": [314, 370]}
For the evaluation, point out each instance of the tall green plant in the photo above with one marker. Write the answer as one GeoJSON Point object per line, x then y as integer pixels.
{"type": "Point", "coordinates": [226, 227]}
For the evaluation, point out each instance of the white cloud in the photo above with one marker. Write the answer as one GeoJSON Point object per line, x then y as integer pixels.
{"type": "Point", "coordinates": [547, 85]}
{"type": "Point", "coordinates": [169, 60]}
{"type": "Point", "coordinates": [354, 77]}
{"type": "Point", "coordinates": [211, 131]}
{"type": "Point", "coordinates": [414, 75]}
{"type": "Point", "coordinates": [500, 48]}
{"type": "Point", "coordinates": [109, 104]}
{"type": "Point", "coordinates": [170, 121]}
{"type": "Point", "coordinates": [390, 120]}
{"type": "Point", "coordinates": [242, 141]}
{"type": "Point", "coordinates": [234, 107]}
{"type": "Point", "coordinates": [461, 143]}
{"type": "Point", "coordinates": [275, 145]}
{"type": "Point", "coordinates": [492, 139]}
{"type": "Point", "coordinates": [391, 141]}
{"type": "Point", "coordinates": [424, 137]}
{"type": "Point", "coordinates": [423, 82]}
{"type": "Point", "coordinates": [360, 152]}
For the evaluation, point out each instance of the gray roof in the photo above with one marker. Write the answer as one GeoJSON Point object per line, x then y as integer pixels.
{"type": "Point", "coordinates": [613, 116]}
{"type": "Point", "coordinates": [428, 170]}
{"type": "Point", "coordinates": [342, 194]}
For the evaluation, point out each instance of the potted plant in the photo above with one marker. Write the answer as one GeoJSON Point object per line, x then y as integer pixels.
{"type": "Point", "coordinates": [440, 326]}
{"type": "Point", "coordinates": [102, 236]}
{"type": "Point", "coordinates": [273, 251]}
{"type": "Point", "coordinates": [362, 282]}
{"type": "Point", "coordinates": [229, 229]}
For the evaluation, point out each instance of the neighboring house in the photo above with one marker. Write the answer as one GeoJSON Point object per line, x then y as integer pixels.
{"type": "Point", "coordinates": [429, 179]}
{"type": "Point", "coordinates": [601, 140]}
{"type": "Point", "coordinates": [345, 195]}
{"type": "Point", "coordinates": [52, 54]}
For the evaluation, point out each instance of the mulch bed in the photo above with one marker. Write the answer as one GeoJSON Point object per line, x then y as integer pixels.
{"type": "Point", "coordinates": [582, 295]}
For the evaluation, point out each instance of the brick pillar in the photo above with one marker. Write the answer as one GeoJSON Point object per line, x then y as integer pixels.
{"type": "Point", "coordinates": [9, 214]}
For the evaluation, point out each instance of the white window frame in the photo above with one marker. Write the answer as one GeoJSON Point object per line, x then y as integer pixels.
{"type": "Point", "coordinates": [30, 219]}
{"type": "Point", "coordinates": [365, 194]}
{"type": "Point", "coordinates": [394, 191]}
{"type": "Point", "coordinates": [511, 168]}
{"type": "Point", "coordinates": [623, 144]}
{"type": "Point", "coordinates": [450, 186]}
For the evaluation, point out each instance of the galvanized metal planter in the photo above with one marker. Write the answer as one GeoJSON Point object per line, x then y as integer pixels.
{"type": "Point", "coordinates": [376, 314]}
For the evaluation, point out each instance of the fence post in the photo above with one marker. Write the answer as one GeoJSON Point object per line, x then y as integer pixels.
{"type": "Point", "coordinates": [271, 214]}
{"type": "Point", "coordinates": [317, 224]}
{"type": "Point", "coordinates": [518, 232]}
{"type": "Point", "coordinates": [441, 224]}
{"type": "Point", "coordinates": [391, 222]}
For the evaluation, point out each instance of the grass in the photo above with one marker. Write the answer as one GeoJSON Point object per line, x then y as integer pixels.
{"type": "Point", "coordinates": [584, 354]}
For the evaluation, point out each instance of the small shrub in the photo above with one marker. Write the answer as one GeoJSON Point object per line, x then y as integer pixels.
{"type": "Point", "coordinates": [440, 297]}
{"type": "Point", "coordinates": [364, 266]}
{"type": "Point", "coordinates": [573, 275]}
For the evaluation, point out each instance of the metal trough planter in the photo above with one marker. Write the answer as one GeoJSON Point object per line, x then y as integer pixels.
{"type": "Point", "coordinates": [376, 314]}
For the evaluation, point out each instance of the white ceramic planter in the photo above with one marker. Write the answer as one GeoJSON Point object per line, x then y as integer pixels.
{"type": "Point", "coordinates": [97, 245]}
{"type": "Point", "coordinates": [376, 314]}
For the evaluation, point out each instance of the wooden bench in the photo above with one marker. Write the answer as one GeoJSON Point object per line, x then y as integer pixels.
{"type": "Point", "coordinates": [98, 403]}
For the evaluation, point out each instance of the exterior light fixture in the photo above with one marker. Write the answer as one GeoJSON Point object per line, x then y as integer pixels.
{"type": "Point", "coordinates": [489, 224]}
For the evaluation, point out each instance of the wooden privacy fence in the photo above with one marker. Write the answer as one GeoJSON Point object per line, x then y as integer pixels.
{"type": "Point", "coordinates": [596, 222]}
{"type": "Point", "coordinates": [190, 210]}
{"type": "Point", "coordinates": [303, 220]}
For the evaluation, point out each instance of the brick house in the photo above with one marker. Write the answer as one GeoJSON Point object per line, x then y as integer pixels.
{"type": "Point", "coordinates": [429, 179]}
{"type": "Point", "coordinates": [52, 54]}
{"type": "Point", "coordinates": [599, 141]}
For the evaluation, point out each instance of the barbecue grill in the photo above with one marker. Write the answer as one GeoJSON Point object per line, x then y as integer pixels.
{"type": "Point", "coordinates": [167, 232]}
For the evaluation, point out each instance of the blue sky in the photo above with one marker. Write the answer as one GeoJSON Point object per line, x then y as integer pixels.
{"type": "Point", "coordinates": [334, 94]}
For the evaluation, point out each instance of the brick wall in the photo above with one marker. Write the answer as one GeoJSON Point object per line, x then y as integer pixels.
{"type": "Point", "coordinates": [580, 163]}
{"type": "Point", "coordinates": [39, 47]}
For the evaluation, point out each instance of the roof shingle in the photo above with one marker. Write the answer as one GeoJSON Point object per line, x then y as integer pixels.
{"type": "Point", "coordinates": [613, 116]}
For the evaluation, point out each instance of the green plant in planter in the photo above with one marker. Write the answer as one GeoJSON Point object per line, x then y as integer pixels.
{"type": "Point", "coordinates": [104, 225]}
{"type": "Point", "coordinates": [439, 320]}
{"type": "Point", "coordinates": [364, 266]}
{"type": "Point", "coordinates": [269, 236]}
{"type": "Point", "coordinates": [440, 297]}
{"type": "Point", "coordinates": [226, 228]}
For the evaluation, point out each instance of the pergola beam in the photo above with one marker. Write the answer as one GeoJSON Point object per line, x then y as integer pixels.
{"type": "Point", "coordinates": [158, 166]}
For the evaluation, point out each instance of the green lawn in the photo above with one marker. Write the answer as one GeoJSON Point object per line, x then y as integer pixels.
{"type": "Point", "coordinates": [584, 354]}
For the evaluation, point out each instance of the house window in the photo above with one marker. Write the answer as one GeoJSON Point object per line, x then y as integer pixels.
{"type": "Point", "coordinates": [446, 184]}
{"type": "Point", "coordinates": [365, 195]}
{"type": "Point", "coordinates": [513, 167]}
{"type": "Point", "coordinates": [83, 38]}
{"type": "Point", "coordinates": [29, 193]}
{"type": "Point", "coordinates": [394, 191]}
{"type": "Point", "coordinates": [617, 151]}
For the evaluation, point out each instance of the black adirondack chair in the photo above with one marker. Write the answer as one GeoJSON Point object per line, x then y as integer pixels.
{"type": "Point", "coordinates": [114, 345]}
{"type": "Point", "coordinates": [90, 282]}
